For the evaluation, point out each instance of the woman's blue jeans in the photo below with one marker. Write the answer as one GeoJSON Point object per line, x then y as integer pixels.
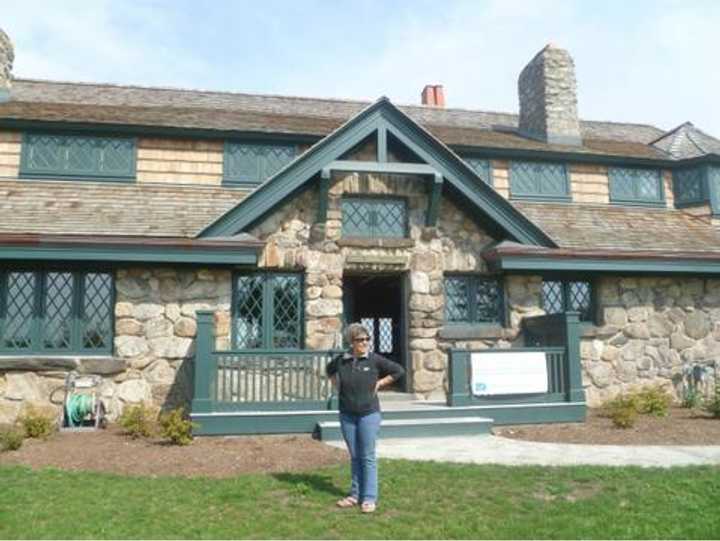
{"type": "Point", "coordinates": [360, 433]}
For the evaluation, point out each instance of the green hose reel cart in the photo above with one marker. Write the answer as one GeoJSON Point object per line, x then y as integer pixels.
{"type": "Point", "coordinates": [83, 408]}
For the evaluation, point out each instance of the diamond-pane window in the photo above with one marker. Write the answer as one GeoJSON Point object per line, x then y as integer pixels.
{"type": "Point", "coordinates": [369, 324]}
{"type": "Point", "coordinates": [374, 217]}
{"type": "Point", "coordinates": [58, 298]}
{"type": "Point", "coordinates": [53, 155]}
{"type": "Point", "coordinates": [689, 185]}
{"type": "Point", "coordinates": [539, 180]}
{"type": "Point", "coordinates": [267, 311]}
{"type": "Point", "coordinates": [481, 168]}
{"type": "Point", "coordinates": [635, 185]}
{"type": "Point", "coordinates": [385, 335]}
{"type": "Point", "coordinates": [249, 164]}
{"type": "Point", "coordinates": [56, 311]}
{"type": "Point", "coordinates": [560, 296]}
{"type": "Point", "coordinates": [473, 299]}
{"type": "Point", "coordinates": [96, 321]}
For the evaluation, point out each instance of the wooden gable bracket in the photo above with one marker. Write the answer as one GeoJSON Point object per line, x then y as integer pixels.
{"type": "Point", "coordinates": [390, 168]}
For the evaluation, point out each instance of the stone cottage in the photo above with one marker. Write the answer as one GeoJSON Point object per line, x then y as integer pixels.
{"type": "Point", "coordinates": [127, 211]}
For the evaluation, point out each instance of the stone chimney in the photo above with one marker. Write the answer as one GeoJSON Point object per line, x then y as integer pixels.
{"type": "Point", "coordinates": [548, 98]}
{"type": "Point", "coordinates": [7, 55]}
{"type": "Point", "coordinates": [433, 95]}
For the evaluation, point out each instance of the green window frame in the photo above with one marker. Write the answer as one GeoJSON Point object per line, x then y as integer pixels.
{"type": "Point", "coordinates": [539, 181]}
{"type": "Point", "coordinates": [482, 168]}
{"type": "Point", "coordinates": [636, 186]}
{"type": "Point", "coordinates": [564, 295]}
{"type": "Point", "coordinates": [267, 311]}
{"type": "Point", "coordinates": [248, 164]}
{"type": "Point", "coordinates": [474, 299]}
{"type": "Point", "coordinates": [690, 186]}
{"type": "Point", "coordinates": [56, 311]}
{"type": "Point", "coordinates": [374, 217]}
{"type": "Point", "coordinates": [82, 157]}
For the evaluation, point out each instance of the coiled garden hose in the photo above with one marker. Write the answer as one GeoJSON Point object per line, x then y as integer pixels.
{"type": "Point", "coordinates": [78, 407]}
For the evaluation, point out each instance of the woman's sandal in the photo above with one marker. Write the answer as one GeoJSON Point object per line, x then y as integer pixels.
{"type": "Point", "coordinates": [368, 507]}
{"type": "Point", "coordinates": [347, 501]}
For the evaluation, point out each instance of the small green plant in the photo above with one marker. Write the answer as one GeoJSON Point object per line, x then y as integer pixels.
{"type": "Point", "coordinates": [712, 404]}
{"type": "Point", "coordinates": [11, 438]}
{"type": "Point", "coordinates": [653, 400]}
{"type": "Point", "coordinates": [176, 428]}
{"type": "Point", "coordinates": [138, 420]}
{"type": "Point", "coordinates": [36, 423]}
{"type": "Point", "coordinates": [622, 410]}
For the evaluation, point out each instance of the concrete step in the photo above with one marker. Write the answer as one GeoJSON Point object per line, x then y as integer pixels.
{"type": "Point", "coordinates": [416, 428]}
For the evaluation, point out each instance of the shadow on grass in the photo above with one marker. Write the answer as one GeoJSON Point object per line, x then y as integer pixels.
{"type": "Point", "coordinates": [320, 483]}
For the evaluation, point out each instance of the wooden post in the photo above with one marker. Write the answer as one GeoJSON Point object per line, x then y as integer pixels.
{"type": "Point", "coordinates": [323, 196]}
{"type": "Point", "coordinates": [433, 210]}
{"type": "Point", "coordinates": [458, 384]}
{"type": "Point", "coordinates": [574, 391]}
{"type": "Point", "coordinates": [205, 364]}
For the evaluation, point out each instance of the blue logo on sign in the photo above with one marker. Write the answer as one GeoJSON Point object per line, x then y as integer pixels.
{"type": "Point", "coordinates": [480, 387]}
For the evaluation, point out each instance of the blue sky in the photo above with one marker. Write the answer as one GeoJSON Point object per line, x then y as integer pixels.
{"type": "Point", "coordinates": [636, 61]}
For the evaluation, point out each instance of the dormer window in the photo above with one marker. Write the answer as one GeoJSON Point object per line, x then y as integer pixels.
{"type": "Point", "coordinates": [636, 186]}
{"type": "Point", "coordinates": [61, 156]}
{"type": "Point", "coordinates": [539, 180]}
{"type": "Point", "coordinates": [249, 164]}
{"type": "Point", "coordinates": [374, 217]}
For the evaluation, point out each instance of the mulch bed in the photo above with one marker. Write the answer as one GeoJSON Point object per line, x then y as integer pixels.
{"type": "Point", "coordinates": [680, 427]}
{"type": "Point", "coordinates": [112, 451]}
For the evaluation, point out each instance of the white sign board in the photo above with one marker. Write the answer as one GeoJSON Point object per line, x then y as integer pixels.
{"type": "Point", "coordinates": [511, 372]}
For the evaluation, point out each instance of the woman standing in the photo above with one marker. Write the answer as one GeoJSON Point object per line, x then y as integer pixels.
{"type": "Point", "coordinates": [358, 375]}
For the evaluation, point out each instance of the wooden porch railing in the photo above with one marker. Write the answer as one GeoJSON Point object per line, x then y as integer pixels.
{"type": "Point", "coordinates": [558, 336]}
{"type": "Point", "coordinates": [256, 379]}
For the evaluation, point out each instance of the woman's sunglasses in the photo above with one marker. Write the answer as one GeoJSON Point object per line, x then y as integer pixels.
{"type": "Point", "coordinates": [364, 339]}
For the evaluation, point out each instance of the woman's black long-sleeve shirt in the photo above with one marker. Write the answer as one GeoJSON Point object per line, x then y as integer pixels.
{"type": "Point", "coordinates": [356, 380]}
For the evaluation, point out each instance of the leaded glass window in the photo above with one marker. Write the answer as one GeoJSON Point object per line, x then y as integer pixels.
{"type": "Point", "coordinates": [689, 185]}
{"type": "Point", "coordinates": [481, 168]}
{"type": "Point", "coordinates": [473, 299]}
{"type": "Point", "coordinates": [267, 311]}
{"type": "Point", "coordinates": [56, 312]}
{"type": "Point", "coordinates": [249, 164]}
{"type": "Point", "coordinates": [540, 180]}
{"type": "Point", "coordinates": [560, 296]}
{"type": "Point", "coordinates": [59, 155]}
{"type": "Point", "coordinates": [636, 185]}
{"type": "Point", "coordinates": [374, 217]}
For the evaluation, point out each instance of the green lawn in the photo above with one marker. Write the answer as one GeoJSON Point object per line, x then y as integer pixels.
{"type": "Point", "coordinates": [418, 500]}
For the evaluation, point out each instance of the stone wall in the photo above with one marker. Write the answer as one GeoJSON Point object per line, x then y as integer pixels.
{"type": "Point", "coordinates": [294, 243]}
{"type": "Point", "coordinates": [155, 328]}
{"type": "Point", "coordinates": [651, 328]}
{"type": "Point", "coordinates": [7, 57]}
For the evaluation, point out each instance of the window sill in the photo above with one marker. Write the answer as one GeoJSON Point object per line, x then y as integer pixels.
{"type": "Point", "coordinates": [473, 331]}
{"type": "Point", "coordinates": [358, 242]}
{"type": "Point", "coordinates": [85, 364]}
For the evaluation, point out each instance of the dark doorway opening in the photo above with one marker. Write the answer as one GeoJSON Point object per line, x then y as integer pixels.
{"type": "Point", "coordinates": [378, 302]}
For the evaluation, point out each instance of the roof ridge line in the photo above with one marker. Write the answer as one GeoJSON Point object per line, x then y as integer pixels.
{"type": "Point", "coordinates": [360, 102]}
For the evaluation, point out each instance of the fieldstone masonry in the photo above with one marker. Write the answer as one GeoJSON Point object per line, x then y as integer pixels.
{"type": "Point", "coordinates": [154, 340]}
{"type": "Point", "coordinates": [7, 56]}
{"type": "Point", "coordinates": [548, 98]}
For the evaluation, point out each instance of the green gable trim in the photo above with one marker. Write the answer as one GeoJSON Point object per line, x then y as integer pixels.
{"type": "Point", "coordinates": [241, 255]}
{"type": "Point", "coordinates": [604, 265]}
{"type": "Point", "coordinates": [381, 115]}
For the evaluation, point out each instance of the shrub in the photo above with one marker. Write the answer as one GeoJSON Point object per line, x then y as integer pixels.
{"type": "Point", "coordinates": [36, 423]}
{"type": "Point", "coordinates": [653, 400]}
{"type": "Point", "coordinates": [11, 438]}
{"type": "Point", "coordinates": [712, 405]}
{"type": "Point", "coordinates": [176, 428]}
{"type": "Point", "coordinates": [138, 420]}
{"type": "Point", "coordinates": [622, 410]}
